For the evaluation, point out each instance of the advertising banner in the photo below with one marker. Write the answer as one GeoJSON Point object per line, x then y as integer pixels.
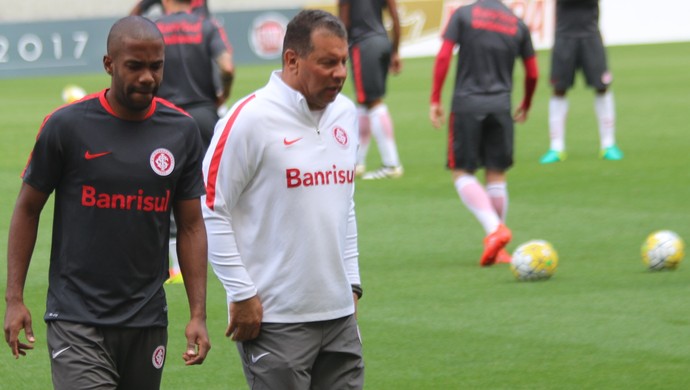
{"type": "Point", "coordinates": [77, 46]}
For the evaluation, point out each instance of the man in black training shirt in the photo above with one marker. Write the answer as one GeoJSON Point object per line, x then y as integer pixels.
{"type": "Point", "coordinates": [480, 129]}
{"type": "Point", "coordinates": [578, 45]}
{"type": "Point", "coordinates": [372, 55]}
{"type": "Point", "coordinates": [119, 162]}
{"type": "Point", "coordinates": [192, 45]}
{"type": "Point", "coordinates": [198, 56]}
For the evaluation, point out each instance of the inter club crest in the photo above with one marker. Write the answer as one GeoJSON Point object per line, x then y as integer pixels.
{"type": "Point", "coordinates": [158, 357]}
{"type": "Point", "coordinates": [340, 135]}
{"type": "Point", "coordinates": [162, 162]}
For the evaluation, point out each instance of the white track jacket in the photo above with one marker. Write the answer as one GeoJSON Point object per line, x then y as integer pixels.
{"type": "Point", "coordinates": [279, 206]}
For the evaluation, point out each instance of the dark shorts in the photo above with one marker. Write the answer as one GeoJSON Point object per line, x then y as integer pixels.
{"type": "Point", "coordinates": [573, 53]}
{"type": "Point", "coordinates": [314, 355]}
{"type": "Point", "coordinates": [83, 356]}
{"type": "Point", "coordinates": [477, 140]}
{"type": "Point", "coordinates": [370, 60]}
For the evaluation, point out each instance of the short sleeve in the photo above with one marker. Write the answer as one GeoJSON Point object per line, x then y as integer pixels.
{"type": "Point", "coordinates": [45, 166]}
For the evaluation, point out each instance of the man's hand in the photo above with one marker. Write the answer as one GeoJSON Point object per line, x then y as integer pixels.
{"type": "Point", "coordinates": [520, 114]}
{"type": "Point", "coordinates": [356, 298]}
{"type": "Point", "coordinates": [245, 319]}
{"type": "Point", "coordinates": [395, 66]}
{"type": "Point", "coordinates": [436, 115]}
{"type": "Point", "coordinates": [198, 343]}
{"type": "Point", "coordinates": [18, 317]}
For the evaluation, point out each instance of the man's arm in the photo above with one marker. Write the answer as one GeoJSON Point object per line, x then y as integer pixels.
{"type": "Point", "coordinates": [441, 66]}
{"type": "Point", "coordinates": [21, 242]}
{"type": "Point", "coordinates": [351, 256]}
{"type": "Point", "coordinates": [226, 67]}
{"type": "Point", "coordinates": [344, 13]}
{"type": "Point", "coordinates": [192, 251]}
{"type": "Point", "coordinates": [531, 76]}
{"type": "Point", "coordinates": [396, 63]}
{"type": "Point", "coordinates": [245, 309]}
{"type": "Point", "coordinates": [227, 173]}
{"type": "Point", "coordinates": [136, 10]}
{"type": "Point", "coordinates": [221, 50]}
{"type": "Point", "coordinates": [142, 6]}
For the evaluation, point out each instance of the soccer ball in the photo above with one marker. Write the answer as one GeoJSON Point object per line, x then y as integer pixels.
{"type": "Point", "coordinates": [534, 260]}
{"type": "Point", "coordinates": [663, 249]}
{"type": "Point", "coordinates": [72, 93]}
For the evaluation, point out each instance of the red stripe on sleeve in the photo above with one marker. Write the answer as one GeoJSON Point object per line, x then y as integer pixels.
{"type": "Point", "coordinates": [531, 76]}
{"type": "Point", "coordinates": [218, 154]}
{"type": "Point", "coordinates": [441, 69]}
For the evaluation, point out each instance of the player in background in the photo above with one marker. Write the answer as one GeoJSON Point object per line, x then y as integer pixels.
{"type": "Point", "coordinates": [194, 48]}
{"type": "Point", "coordinates": [199, 7]}
{"type": "Point", "coordinates": [372, 55]}
{"type": "Point", "coordinates": [578, 45]}
{"type": "Point", "coordinates": [280, 216]}
{"type": "Point", "coordinates": [481, 128]}
{"type": "Point", "coordinates": [193, 45]}
{"type": "Point", "coordinates": [119, 162]}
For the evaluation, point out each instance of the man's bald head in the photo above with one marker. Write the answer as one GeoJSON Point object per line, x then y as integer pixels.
{"type": "Point", "coordinates": [131, 27]}
{"type": "Point", "coordinates": [136, 54]}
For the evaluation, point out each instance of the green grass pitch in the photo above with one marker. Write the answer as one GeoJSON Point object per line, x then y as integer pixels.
{"type": "Point", "coordinates": [431, 318]}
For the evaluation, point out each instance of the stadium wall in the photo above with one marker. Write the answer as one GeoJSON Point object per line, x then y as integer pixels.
{"type": "Point", "coordinates": [34, 10]}
{"type": "Point", "coordinates": [39, 37]}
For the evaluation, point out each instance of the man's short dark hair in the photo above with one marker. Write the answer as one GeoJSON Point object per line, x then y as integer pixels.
{"type": "Point", "coordinates": [134, 27]}
{"type": "Point", "coordinates": [298, 34]}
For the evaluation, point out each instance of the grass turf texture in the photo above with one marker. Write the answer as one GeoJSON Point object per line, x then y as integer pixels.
{"type": "Point", "coordinates": [432, 318]}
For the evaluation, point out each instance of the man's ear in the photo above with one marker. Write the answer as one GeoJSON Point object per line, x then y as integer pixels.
{"type": "Point", "coordinates": [108, 64]}
{"type": "Point", "coordinates": [290, 58]}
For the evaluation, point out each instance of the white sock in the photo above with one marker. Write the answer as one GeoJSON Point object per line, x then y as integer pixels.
{"type": "Point", "coordinates": [382, 128]}
{"type": "Point", "coordinates": [498, 193]}
{"type": "Point", "coordinates": [364, 135]}
{"type": "Point", "coordinates": [174, 262]}
{"type": "Point", "coordinates": [558, 112]}
{"type": "Point", "coordinates": [475, 198]}
{"type": "Point", "coordinates": [605, 108]}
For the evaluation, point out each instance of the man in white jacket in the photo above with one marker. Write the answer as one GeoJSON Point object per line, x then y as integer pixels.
{"type": "Point", "coordinates": [280, 216]}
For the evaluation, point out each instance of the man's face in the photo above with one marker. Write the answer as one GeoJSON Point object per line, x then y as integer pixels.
{"type": "Point", "coordinates": [322, 73]}
{"type": "Point", "coordinates": [137, 70]}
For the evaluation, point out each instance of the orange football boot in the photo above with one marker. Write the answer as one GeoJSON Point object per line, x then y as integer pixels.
{"type": "Point", "coordinates": [503, 257]}
{"type": "Point", "coordinates": [493, 243]}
